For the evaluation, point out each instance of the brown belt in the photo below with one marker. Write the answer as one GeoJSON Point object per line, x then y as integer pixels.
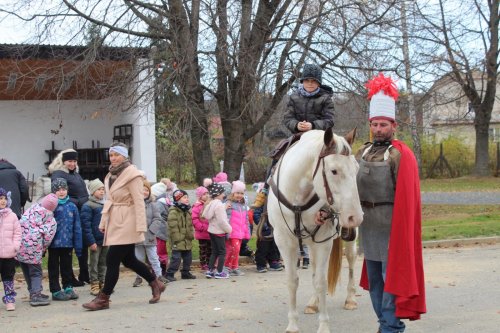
{"type": "Point", "coordinates": [369, 204]}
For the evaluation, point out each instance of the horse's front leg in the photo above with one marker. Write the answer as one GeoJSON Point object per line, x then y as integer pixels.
{"type": "Point", "coordinates": [320, 254]}
{"type": "Point", "coordinates": [351, 254]}
{"type": "Point", "coordinates": [290, 256]}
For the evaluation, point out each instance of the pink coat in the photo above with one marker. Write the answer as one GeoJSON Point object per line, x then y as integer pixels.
{"type": "Point", "coordinates": [10, 234]}
{"type": "Point", "coordinates": [124, 211]}
{"type": "Point", "coordinates": [200, 224]}
{"type": "Point", "coordinates": [238, 218]}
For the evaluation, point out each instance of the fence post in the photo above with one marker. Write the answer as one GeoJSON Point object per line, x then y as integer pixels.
{"type": "Point", "coordinates": [497, 172]}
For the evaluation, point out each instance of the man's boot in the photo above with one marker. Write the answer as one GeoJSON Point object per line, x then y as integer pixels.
{"type": "Point", "coordinates": [157, 287]}
{"type": "Point", "coordinates": [101, 302]}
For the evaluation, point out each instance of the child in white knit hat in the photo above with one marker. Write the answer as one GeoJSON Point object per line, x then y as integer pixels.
{"type": "Point", "coordinates": [90, 218]}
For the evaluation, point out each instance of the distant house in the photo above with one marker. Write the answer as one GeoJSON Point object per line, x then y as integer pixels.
{"type": "Point", "coordinates": [58, 97]}
{"type": "Point", "coordinates": [448, 112]}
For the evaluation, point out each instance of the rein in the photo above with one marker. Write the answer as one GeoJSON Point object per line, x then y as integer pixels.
{"type": "Point", "coordinates": [297, 210]}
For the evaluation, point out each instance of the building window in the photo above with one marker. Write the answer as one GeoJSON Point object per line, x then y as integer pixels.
{"type": "Point", "coordinates": [11, 84]}
{"type": "Point", "coordinates": [494, 134]}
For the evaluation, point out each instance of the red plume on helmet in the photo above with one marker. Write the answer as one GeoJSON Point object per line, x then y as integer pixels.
{"type": "Point", "coordinates": [382, 83]}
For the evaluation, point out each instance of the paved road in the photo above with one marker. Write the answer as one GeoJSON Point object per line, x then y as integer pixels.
{"type": "Point", "coordinates": [462, 285]}
{"type": "Point", "coordinates": [462, 198]}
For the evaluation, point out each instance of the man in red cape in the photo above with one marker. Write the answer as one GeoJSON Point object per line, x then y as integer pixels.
{"type": "Point", "coordinates": [389, 189]}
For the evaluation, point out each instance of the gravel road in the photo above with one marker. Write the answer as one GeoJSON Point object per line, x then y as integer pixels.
{"type": "Point", "coordinates": [462, 288]}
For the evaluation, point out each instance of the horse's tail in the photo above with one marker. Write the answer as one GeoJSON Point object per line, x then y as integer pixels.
{"type": "Point", "coordinates": [335, 265]}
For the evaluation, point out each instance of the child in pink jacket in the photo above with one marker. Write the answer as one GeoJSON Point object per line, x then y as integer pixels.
{"type": "Point", "coordinates": [10, 240]}
{"type": "Point", "coordinates": [38, 227]}
{"type": "Point", "coordinates": [238, 218]}
{"type": "Point", "coordinates": [201, 227]}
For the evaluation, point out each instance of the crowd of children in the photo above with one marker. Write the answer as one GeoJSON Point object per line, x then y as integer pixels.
{"type": "Point", "coordinates": [219, 220]}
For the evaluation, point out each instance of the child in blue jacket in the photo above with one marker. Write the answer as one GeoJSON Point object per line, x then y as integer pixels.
{"type": "Point", "coordinates": [68, 237]}
{"type": "Point", "coordinates": [91, 217]}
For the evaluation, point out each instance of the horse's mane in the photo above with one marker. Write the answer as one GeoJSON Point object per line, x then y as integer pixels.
{"type": "Point", "coordinates": [315, 138]}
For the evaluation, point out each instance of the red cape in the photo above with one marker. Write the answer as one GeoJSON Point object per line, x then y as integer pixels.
{"type": "Point", "coordinates": [405, 269]}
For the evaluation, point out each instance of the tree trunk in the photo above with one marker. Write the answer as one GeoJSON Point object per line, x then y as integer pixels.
{"type": "Point", "coordinates": [409, 87]}
{"type": "Point", "coordinates": [234, 147]}
{"type": "Point", "coordinates": [482, 158]}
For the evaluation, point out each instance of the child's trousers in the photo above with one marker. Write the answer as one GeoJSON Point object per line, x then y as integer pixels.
{"type": "Point", "coordinates": [60, 258]}
{"type": "Point", "coordinates": [7, 271]}
{"type": "Point", "coordinates": [33, 276]}
{"type": "Point", "coordinates": [97, 264]}
{"type": "Point", "coordinates": [175, 262]}
{"type": "Point", "coordinates": [233, 252]}
{"type": "Point", "coordinates": [149, 251]}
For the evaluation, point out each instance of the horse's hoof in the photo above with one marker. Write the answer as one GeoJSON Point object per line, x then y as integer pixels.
{"type": "Point", "coordinates": [288, 331]}
{"type": "Point", "coordinates": [350, 305]}
{"type": "Point", "coordinates": [311, 309]}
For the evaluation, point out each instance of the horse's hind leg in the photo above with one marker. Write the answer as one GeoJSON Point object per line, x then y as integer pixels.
{"type": "Point", "coordinates": [351, 254]}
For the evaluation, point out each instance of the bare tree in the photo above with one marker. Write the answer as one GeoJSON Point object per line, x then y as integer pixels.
{"type": "Point", "coordinates": [235, 52]}
{"type": "Point", "coordinates": [464, 38]}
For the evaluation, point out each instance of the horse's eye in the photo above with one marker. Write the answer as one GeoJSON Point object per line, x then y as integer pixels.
{"type": "Point", "coordinates": [334, 172]}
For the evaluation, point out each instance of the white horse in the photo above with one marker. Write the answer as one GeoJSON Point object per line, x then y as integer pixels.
{"type": "Point", "coordinates": [317, 170]}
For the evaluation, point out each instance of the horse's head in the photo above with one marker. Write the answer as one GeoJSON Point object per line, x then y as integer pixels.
{"type": "Point", "coordinates": [334, 178]}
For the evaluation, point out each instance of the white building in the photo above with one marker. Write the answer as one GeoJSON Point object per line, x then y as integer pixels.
{"type": "Point", "coordinates": [58, 97]}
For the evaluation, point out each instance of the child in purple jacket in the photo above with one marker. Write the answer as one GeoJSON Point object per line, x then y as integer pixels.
{"type": "Point", "coordinates": [38, 229]}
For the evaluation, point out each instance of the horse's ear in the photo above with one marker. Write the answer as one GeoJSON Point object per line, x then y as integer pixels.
{"type": "Point", "coordinates": [349, 137]}
{"type": "Point", "coordinates": [328, 137]}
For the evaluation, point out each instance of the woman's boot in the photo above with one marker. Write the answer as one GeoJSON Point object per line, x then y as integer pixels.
{"type": "Point", "coordinates": [101, 302]}
{"type": "Point", "coordinates": [157, 287]}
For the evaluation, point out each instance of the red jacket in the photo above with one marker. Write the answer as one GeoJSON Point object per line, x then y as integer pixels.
{"type": "Point", "coordinates": [405, 271]}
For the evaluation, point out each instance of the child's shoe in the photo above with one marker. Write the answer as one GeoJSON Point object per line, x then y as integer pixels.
{"type": "Point", "coordinates": [187, 276]}
{"type": "Point", "coordinates": [94, 288]}
{"type": "Point", "coordinates": [204, 267]}
{"type": "Point", "coordinates": [39, 300]}
{"type": "Point", "coordinates": [60, 296]}
{"type": "Point", "coordinates": [276, 266]}
{"type": "Point", "coordinates": [10, 306]}
{"type": "Point", "coordinates": [221, 275]}
{"type": "Point", "coordinates": [305, 263]}
{"type": "Point", "coordinates": [163, 279]}
{"type": "Point", "coordinates": [236, 272]}
{"type": "Point", "coordinates": [261, 269]}
{"type": "Point", "coordinates": [170, 278]}
{"type": "Point", "coordinates": [209, 274]}
{"type": "Point", "coordinates": [137, 282]}
{"type": "Point", "coordinates": [71, 293]}
{"type": "Point", "coordinates": [44, 296]}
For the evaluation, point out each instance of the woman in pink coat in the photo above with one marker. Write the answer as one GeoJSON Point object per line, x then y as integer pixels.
{"type": "Point", "coordinates": [10, 241]}
{"type": "Point", "coordinates": [201, 227]}
{"type": "Point", "coordinates": [123, 223]}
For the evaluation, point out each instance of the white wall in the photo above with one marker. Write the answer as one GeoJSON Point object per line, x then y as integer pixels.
{"type": "Point", "coordinates": [28, 127]}
{"type": "Point", "coordinates": [142, 116]}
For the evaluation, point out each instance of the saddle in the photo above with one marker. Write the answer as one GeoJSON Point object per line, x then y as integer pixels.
{"type": "Point", "coordinates": [283, 145]}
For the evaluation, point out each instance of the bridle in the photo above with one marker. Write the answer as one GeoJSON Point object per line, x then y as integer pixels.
{"type": "Point", "coordinates": [327, 150]}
